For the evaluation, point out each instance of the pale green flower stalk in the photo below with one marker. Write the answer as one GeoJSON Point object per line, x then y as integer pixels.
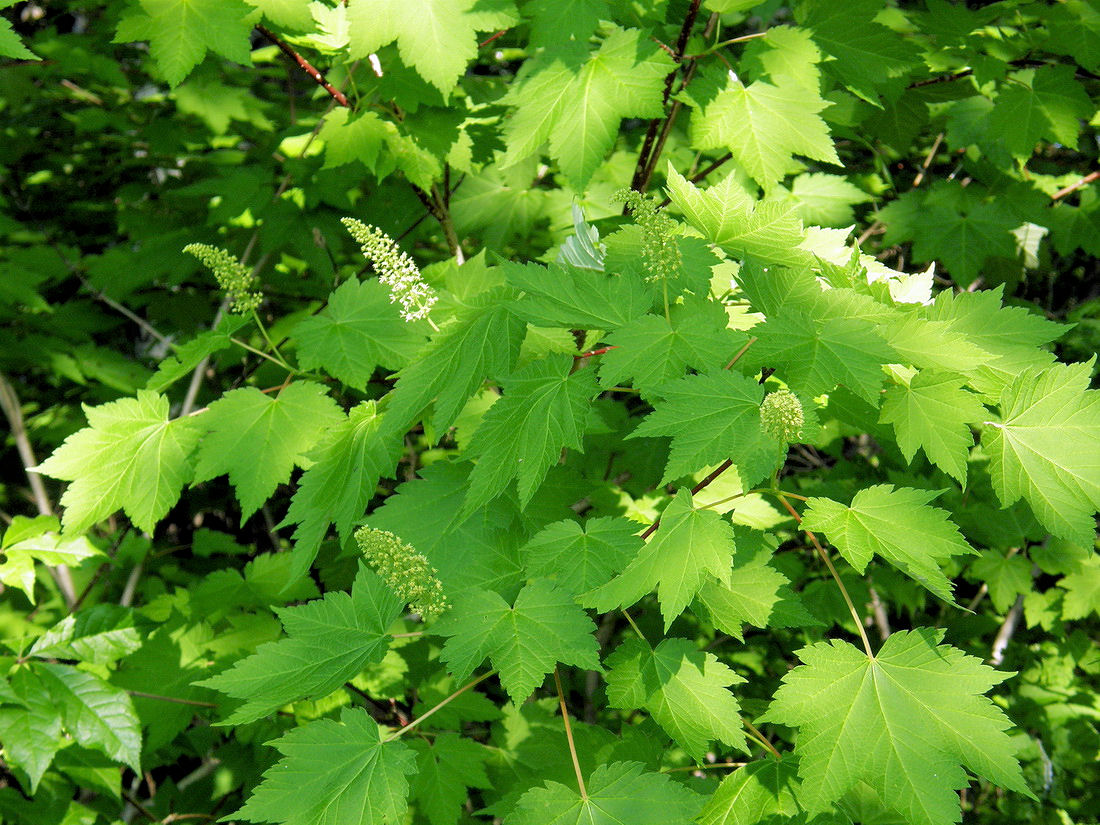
{"type": "Point", "coordinates": [231, 275]}
{"type": "Point", "coordinates": [660, 253]}
{"type": "Point", "coordinates": [407, 572]}
{"type": "Point", "coordinates": [396, 269]}
{"type": "Point", "coordinates": [781, 416]}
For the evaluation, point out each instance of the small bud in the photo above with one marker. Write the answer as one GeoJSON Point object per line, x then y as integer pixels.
{"type": "Point", "coordinates": [781, 415]}
{"type": "Point", "coordinates": [395, 269]}
{"type": "Point", "coordinates": [407, 572]}
{"type": "Point", "coordinates": [232, 276]}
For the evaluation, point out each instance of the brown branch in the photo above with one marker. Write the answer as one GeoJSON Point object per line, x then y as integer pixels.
{"type": "Point", "coordinates": [1073, 187]}
{"type": "Point", "coordinates": [305, 66]}
{"type": "Point", "coordinates": [489, 40]}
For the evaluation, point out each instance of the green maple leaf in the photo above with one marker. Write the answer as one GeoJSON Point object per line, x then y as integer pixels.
{"type": "Point", "coordinates": [347, 464]}
{"type": "Point", "coordinates": [896, 524]}
{"type": "Point", "coordinates": [578, 106]}
{"type": "Point", "coordinates": [865, 54]}
{"type": "Point", "coordinates": [763, 791]}
{"type": "Point", "coordinates": [567, 296]}
{"type": "Point", "coordinates": [1006, 576]}
{"type": "Point", "coordinates": [436, 37]}
{"type": "Point", "coordinates": [334, 773]}
{"type": "Point", "coordinates": [182, 362]}
{"type": "Point", "coordinates": [768, 231]}
{"type": "Point", "coordinates": [446, 767]}
{"type": "Point", "coordinates": [544, 409]}
{"type": "Point", "coordinates": [1034, 104]}
{"type": "Point", "coordinates": [11, 46]}
{"type": "Point", "coordinates": [683, 688]}
{"type": "Point", "coordinates": [582, 557]}
{"type": "Point", "coordinates": [1046, 448]}
{"type": "Point", "coordinates": [933, 345]}
{"type": "Point", "coordinates": [130, 456]}
{"type": "Point", "coordinates": [710, 418]}
{"type": "Point", "coordinates": [478, 550]}
{"type": "Point", "coordinates": [554, 22]}
{"type": "Point", "coordinates": [97, 714]}
{"type": "Point", "coordinates": [903, 722]}
{"type": "Point", "coordinates": [524, 641]}
{"type": "Point", "coordinates": [328, 641]}
{"type": "Point", "coordinates": [180, 32]}
{"type": "Point", "coordinates": [1082, 591]}
{"type": "Point", "coordinates": [690, 547]}
{"type": "Point", "coordinates": [815, 355]}
{"type": "Point", "coordinates": [258, 439]}
{"type": "Point", "coordinates": [653, 350]}
{"type": "Point", "coordinates": [483, 339]}
{"type": "Point", "coordinates": [360, 329]}
{"type": "Point", "coordinates": [98, 635]}
{"type": "Point", "coordinates": [290, 14]}
{"type": "Point", "coordinates": [618, 793]}
{"type": "Point", "coordinates": [932, 413]}
{"type": "Point", "coordinates": [763, 126]}
{"type": "Point", "coordinates": [31, 732]}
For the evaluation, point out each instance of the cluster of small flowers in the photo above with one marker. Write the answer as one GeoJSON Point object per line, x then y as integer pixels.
{"type": "Point", "coordinates": [406, 572]}
{"type": "Point", "coordinates": [781, 415]}
{"type": "Point", "coordinates": [395, 269]}
{"type": "Point", "coordinates": [660, 254]}
{"type": "Point", "coordinates": [232, 276]}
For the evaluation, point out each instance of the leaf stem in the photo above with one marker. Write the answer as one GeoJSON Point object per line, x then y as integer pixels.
{"type": "Point", "coordinates": [637, 629]}
{"type": "Point", "coordinates": [569, 735]}
{"type": "Point", "coordinates": [740, 352]}
{"type": "Point", "coordinates": [172, 699]}
{"type": "Point", "coordinates": [832, 570]}
{"type": "Point", "coordinates": [427, 713]}
{"type": "Point", "coordinates": [274, 348]}
{"type": "Point", "coordinates": [759, 737]}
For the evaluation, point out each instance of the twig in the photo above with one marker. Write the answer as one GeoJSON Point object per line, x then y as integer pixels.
{"type": "Point", "coordinates": [426, 714]}
{"type": "Point", "coordinates": [173, 699]}
{"type": "Point", "coordinates": [878, 610]}
{"type": "Point", "coordinates": [569, 736]}
{"type": "Point", "coordinates": [721, 468]}
{"type": "Point", "coordinates": [711, 767]}
{"type": "Point", "coordinates": [761, 738]}
{"type": "Point", "coordinates": [130, 587]}
{"type": "Point", "coordinates": [1008, 628]}
{"type": "Point", "coordinates": [306, 67]}
{"type": "Point", "coordinates": [489, 40]}
{"type": "Point", "coordinates": [13, 410]}
{"type": "Point", "coordinates": [1073, 187]}
{"type": "Point", "coordinates": [129, 797]}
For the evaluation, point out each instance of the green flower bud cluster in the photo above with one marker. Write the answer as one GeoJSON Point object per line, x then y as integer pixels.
{"type": "Point", "coordinates": [781, 415]}
{"type": "Point", "coordinates": [395, 269]}
{"type": "Point", "coordinates": [232, 276]}
{"type": "Point", "coordinates": [406, 572]}
{"type": "Point", "coordinates": [660, 253]}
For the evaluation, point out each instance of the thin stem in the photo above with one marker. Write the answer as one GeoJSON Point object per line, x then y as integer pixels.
{"type": "Point", "coordinates": [832, 570]}
{"type": "Point", "coordinates": [637, 629]}
{"type": "Point", "coordinates": [306, 67]}
{"type": "Point", "coordinates": [448, 700]}
{"type": "Point", "coordinates": [712, 767]}
{"type": "Point", "coordinates": [261, 353]}
{"type": "Point", "coordinates": [569, 736]}
{"type": "Point", "coordinates": [270, 343]}
{"type": "Point", "coordinates": [173, 699]}
{"type": "Point", "coordinates": [721, 468]}
{"type": "Point", "coordinates": [1073, 187]}
{"type": "Point", "coordinates": [761, 738]}
{"type": "Point", "coordinates": [740, 352]}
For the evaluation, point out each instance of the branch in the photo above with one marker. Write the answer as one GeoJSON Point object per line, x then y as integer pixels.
{"type": "Point", "coordinates": [1073, 187]}
{"type": "Point", "coordinates": [1008, 628]}
{"type": "Point", "coordinates": [305, 66]}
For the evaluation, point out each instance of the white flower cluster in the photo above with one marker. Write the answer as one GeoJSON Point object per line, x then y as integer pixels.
{"type": "Point", "coordinates": [781, 415]}
{"type": "Point", "coordinates": [407, 572]}
{"type": "Point", "coordinates": [395, 269]}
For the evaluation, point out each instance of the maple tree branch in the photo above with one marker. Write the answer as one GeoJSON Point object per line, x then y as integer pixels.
{"type": "Point", "coordinates": [569, 735]}
{"type": "Point", "coordinates": [305, 66]}
{"type": "Point", "coordinates": [490, 39]}
{"type": "Point", "coordinates": [832, 570]}
{"type": "Point", "coordinates": [1073, 187]}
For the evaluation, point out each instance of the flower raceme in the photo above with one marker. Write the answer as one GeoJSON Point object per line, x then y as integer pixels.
{"type": "Point", "coordinates": [396, 269]}
{"type": "Point", "coordinates": [232, 276]}
{"type": "Point", "coordinates": [781, 415]}
{"type": "Point", "coordinates": [406, 571]}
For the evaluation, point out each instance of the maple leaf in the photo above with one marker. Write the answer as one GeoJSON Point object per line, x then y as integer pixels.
{"type": "Point", "coordinates": [903, 721]}
{"type": "Point", "coordinates": [1046, 448]}
{"type": "Point", "coordinates": [334, 773]}
{"type": "Point", "coordinates": [554, 22]}
{"type": "Point", "coordinates": [258, 439]}
{"type": "Point", "coordinates": [712, 417]}
{"type": "Point", "coordinates": [359, 329]}
{"type": "Point", "coordinates": [436, 37]}
{"type": "Point", "coordinates": [1006, 577]}
{"type": "Point", "coordinates": [1082, 590]}
{"type": "Point", "coordinates": [347, 464]}
{"type": "Point", "coordinates": [446, 767]}
{"type": "Point", "coordinates": [932, 413]}
{"type": "Point", "coordinates": [617, 793]}
{"type": "Point", "coordinates": [180, 32]}
{"type": "Point", "coordinates": [544, 409]}
{"type": "Point", "coordinates": [814, 355]}
{"type": "Point", "coordinates": [560, 295]}
{"type": "Point", "coordinates": [290, 14]}
{"type": "Point", "coordinates": [683, 688]}
{"type": "Point", "coordinates": [577, 106]}
{"type": "Point", "coordinates": [690, 547]}
{"type": "Point", "coordinates": [483, 339]}
{"type": "Point", "coordinates": [524, 641]}
{"type": "Point", "coordinates": [653, 350]}
{"type": "Point", "coordinates": [11, 46]}
{"type": "Point", "coordinates": [763, 791]}
{"type": "Point", "coordinates": [898, 525]}
{"type": "Point", "coordinates": [582, 557]}
{"type": "Point", "coordinates": [763, 126]}
{"type": "Point", "coordinates": [130, 456]}
{"type": "Point", "coordinates": [328, 641]}
{"type": "Point", "coordinates": [1033, 104]}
